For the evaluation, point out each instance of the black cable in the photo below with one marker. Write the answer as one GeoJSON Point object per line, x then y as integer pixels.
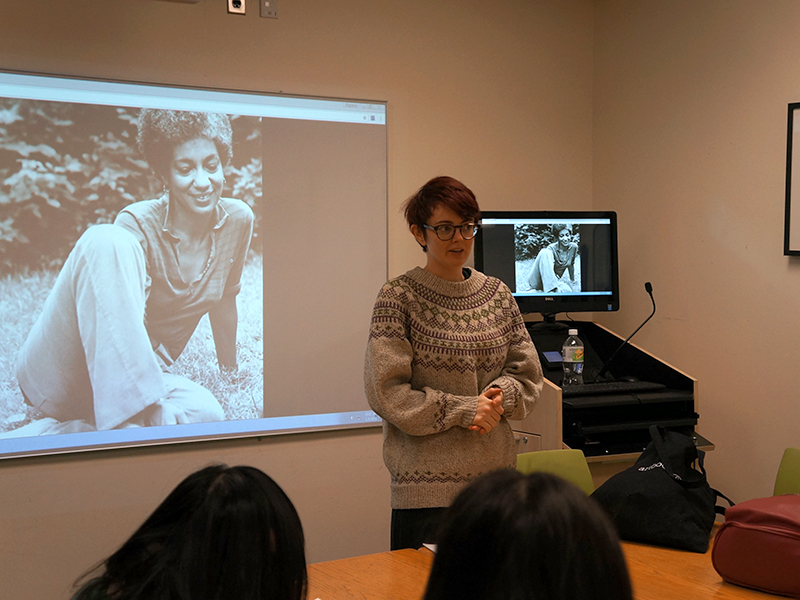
{"type": "Point", "coordinates": [649, 289]}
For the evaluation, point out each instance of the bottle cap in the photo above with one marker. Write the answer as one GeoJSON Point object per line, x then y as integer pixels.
{"type": "Point", "coordinates": [573, 332]}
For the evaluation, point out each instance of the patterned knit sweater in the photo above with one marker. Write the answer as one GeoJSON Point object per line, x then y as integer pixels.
{"type": "Point", "coordinates": [434, 347]}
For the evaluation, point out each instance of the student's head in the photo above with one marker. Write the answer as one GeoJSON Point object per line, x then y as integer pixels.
{"type": "Point", "coordinates": [223, 533]}
{"type": "Point", "coordinates": [446, 192]}
{"type": "Point", "coordinates": [510, 536]}
{"type": "Point", "coordinates": [161, 131]}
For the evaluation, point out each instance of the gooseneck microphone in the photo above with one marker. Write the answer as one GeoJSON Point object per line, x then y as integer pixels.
{"type": "Point", "coordinates": [649, 289]}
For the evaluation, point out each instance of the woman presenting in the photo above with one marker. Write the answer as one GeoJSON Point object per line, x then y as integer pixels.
{"type": "Point", "coordinates": [448, 362]}
{"type": "Point", "coordinates": [131, 294]}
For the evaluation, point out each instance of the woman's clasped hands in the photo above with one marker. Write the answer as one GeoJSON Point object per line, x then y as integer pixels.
{"type": "Point", "coordinates": [489, 411]}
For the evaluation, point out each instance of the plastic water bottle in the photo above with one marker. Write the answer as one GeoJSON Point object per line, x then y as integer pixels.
{"type": "Point", "coordinates": [572, 359]}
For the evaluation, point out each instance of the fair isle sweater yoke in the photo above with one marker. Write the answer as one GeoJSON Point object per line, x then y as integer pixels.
{"type": "Point", "coordinates": [434, 347]}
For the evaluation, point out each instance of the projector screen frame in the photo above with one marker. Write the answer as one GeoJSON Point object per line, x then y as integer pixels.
{"type": "Point", "coordinates": [280, 424]}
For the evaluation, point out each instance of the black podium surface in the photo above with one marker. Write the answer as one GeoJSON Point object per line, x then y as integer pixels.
{"type": "Point", "coordinates": [611, 423]}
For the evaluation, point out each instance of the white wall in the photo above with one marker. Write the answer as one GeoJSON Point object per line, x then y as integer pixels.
{"type": "Point", "coordinates": [60, 515]}
{"type": "Point", "coordinates": [499, 95]}
{"type": "Point", "coordinates": [690, 111]}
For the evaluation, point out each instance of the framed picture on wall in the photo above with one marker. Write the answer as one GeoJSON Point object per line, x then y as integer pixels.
{"type": "Point", "coordinates": [791, 233]}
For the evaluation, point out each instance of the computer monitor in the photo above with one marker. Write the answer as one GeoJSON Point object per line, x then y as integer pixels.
{"type": "Point", "coordinates": [553, 261]}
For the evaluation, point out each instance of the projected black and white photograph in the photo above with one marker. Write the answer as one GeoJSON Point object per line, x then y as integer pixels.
{"type": "Point", "coordinates": [132, 286]}
{"type": "Point", "coordinates": [179, 264]}
{"type": "Point", "coordinates": [547, 258]}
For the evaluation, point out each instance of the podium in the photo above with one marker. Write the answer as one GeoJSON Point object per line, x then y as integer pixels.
{"type": "Point", "coordinates": [610, 429]}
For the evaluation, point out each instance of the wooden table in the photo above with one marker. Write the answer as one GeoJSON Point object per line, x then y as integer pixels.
{"type": "Point", "coordinates": [656, 573]}
{"type": "Point", "coordinates": [398, 575]}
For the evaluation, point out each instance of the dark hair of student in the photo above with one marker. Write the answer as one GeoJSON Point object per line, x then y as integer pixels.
{"type": "Point", "coordinates": [510, 536]}
{"type": "Point", "coordinates": [224, 533]}
{"type": "Point", "coordinates": [444, 191]}
{"type": "Point", "coordinates": [160, 131]}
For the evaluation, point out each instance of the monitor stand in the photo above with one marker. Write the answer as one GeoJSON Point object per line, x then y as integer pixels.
{"type": "Point", "coordinates": [548, 324]}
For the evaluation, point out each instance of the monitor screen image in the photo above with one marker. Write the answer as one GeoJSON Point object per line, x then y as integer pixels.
{"type": "Point", "coordinates": [181, 264]}
{"type": "Point", "coordinates": [553, 261]}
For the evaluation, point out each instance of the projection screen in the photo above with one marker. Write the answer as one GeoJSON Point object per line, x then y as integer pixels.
{"type": "Point", "coordinates": [308, 175]}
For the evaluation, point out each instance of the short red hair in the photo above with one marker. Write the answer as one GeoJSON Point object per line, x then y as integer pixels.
{"type": "Point", "coordinates": [445, 191]}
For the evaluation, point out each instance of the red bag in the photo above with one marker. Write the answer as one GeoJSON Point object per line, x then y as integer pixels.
{"type": "Point", "coordinates": [758, 545]}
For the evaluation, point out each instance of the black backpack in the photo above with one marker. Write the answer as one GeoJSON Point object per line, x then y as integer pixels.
{"type": "Point", "coordinates": [662, 499]}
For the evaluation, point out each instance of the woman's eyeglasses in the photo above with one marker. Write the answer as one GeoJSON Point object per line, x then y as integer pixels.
{"type": "Point", "coordinates": [446, 232]}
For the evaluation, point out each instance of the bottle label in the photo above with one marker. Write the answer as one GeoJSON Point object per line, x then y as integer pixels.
{"type": "Point", "coordinates": [573, 354]}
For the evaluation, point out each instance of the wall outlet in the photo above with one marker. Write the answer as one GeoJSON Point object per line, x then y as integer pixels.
{"type": "Point", "coordinates": [236, 7]}
{"type": "Point", "coordinates": [269, 8]}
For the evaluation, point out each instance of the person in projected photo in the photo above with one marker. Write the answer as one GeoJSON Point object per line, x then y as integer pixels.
{"type": "Point", "coordinates": [448, 362]}
{"type": "Point", "coordinates": [553, 262]}
{"type": "Point", "coordinates": [544, 537]}
{"type": "Point", "coordinates": [224, 533]}
{"type": "Point", "coordinates": [131, 293]}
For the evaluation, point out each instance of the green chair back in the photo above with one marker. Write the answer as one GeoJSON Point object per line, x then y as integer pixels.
{"type": "Point", "coordinates": [569, 464]}
{"type": "Point", "coordinates": [788, 478]}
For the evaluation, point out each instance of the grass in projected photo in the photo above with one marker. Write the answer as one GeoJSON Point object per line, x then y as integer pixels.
{"type": "Point", "coordinates": [241, 396]}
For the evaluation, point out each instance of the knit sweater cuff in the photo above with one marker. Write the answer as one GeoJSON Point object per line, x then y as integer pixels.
{"type": "Point", "coordinates": [465, 410]}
